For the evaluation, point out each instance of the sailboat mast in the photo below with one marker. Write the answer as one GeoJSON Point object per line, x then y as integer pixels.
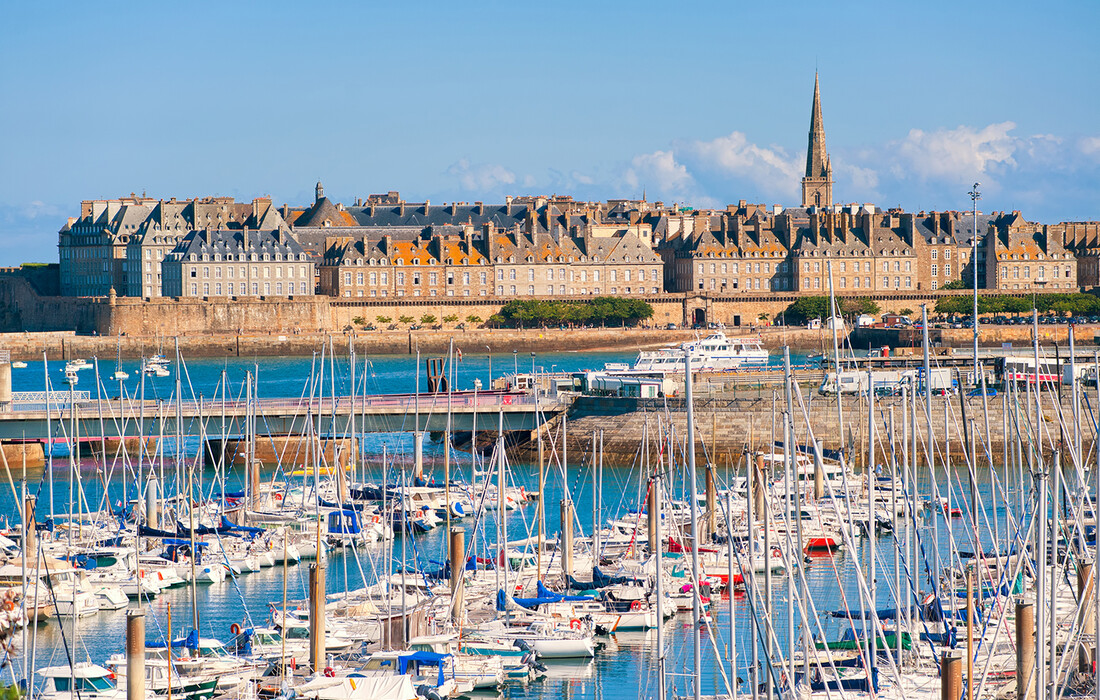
{"type": "Point", "coordinates": [655, 503]}
{"type": "Point", "coordinates": [696, 613]}
{"type": "Point", "coordinates": [501, 510]}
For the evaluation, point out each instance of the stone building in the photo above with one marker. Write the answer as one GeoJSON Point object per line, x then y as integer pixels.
{"type": "Point", "coordinates": [172, 221]}
{"type": "Point", "coordinates": [1025, 256]}
{"type": "Point", "coordinates": [92, 247]}
{"type": "Point", "coordinates": [228, 263]}
{"type": "Point", "coordinates": [1082, 239]}
{"type": "Point", "coordinates": [120, 244]}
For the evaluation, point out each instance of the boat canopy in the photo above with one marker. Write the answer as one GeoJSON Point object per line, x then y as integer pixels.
{"type": "Point", "coordinates": [427, 658]}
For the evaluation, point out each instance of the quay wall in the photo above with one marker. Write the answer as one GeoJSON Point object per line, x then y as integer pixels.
{"type": "Point", "coordinates": [30, 345]}
{"type": "Point", "coordinates": [731, 426]}
{"type": "Point", "coordinates": [59, 345]}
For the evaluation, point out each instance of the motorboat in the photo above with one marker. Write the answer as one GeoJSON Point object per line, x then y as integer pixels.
{"type": "Point", "coordinates": [715, 353]}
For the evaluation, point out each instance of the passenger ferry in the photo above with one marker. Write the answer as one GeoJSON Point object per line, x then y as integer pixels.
{"type": "Point", "coordinates": [715, 353]}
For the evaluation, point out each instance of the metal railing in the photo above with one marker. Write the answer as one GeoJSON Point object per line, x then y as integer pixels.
{"type": "Point", "coordinates": [35, 402]}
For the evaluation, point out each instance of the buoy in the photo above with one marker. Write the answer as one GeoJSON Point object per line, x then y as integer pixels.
{"type": "Point", "coordinates": [636, 606]}
{"type": "Point", "coordinates": [575, 624]}
{"type": "Point", "coordinates": [234, 629]}
{"type": "Point", "coordinates": [329, 672]}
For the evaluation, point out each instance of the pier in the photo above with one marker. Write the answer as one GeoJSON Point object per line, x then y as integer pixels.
{"type": "Point", "coordinates": [38, 418]}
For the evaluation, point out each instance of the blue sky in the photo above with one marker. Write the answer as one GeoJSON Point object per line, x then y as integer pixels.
{"type": "Point", "coordinates": [703, 102]}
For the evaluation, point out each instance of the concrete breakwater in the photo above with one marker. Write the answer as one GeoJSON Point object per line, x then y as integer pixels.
{"type": "Point", "coordinates": [727, 427]}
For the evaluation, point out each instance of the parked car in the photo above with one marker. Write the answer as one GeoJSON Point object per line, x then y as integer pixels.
{"type": "Point", "coordinates": [977, 391]}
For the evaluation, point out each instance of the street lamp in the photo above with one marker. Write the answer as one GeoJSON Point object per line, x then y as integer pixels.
{"type": "Point", "coordinates": [515, 362]}
{"type": "Point", "coordinates": [975, 195]}
{"type": "Point", "coordinates": [532, 364]}
{"type": "Point", "coordinates": [490, 356]}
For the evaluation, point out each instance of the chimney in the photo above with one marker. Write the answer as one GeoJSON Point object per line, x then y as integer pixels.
{"type": "Point", "coordinates": [401, 209]}
{"type": "Point", "coordinates": [427, 206]}
{"type": "Point", "coordinates": [387, 245]}
{"type": "Point", "coordinates": [480, 208]}
{"type": "Point", "coordinates": [454, 208]}
{"type": "Point", "coordinates": [508, 205]}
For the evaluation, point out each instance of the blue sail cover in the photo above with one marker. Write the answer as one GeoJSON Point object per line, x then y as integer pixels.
{"type": "Point", "coordinates": [602, 580]}
{"type": "Point", "coordinates": [545, 596]}
{"type": "Point", "coordinates": [191, 641]}
{"type": "Point", "coordinates": [241, 528]}
{"type": "Point", "coordinates": [884, 614]}
{"type": "Point", "coordinates": [545, 592]}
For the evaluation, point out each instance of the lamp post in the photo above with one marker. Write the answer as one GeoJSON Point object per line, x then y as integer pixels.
{"type": "Point", "coordinates": [975, 195]}
{"type": "Point", "coordinates": [490, 356]}
{"type": "Point", "coordinates": [515, 362]}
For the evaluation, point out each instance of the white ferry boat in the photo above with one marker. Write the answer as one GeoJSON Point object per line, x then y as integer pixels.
{"type": "Point", "coordinates": [715, 353]}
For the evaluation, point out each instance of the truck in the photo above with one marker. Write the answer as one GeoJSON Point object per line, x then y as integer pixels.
{"type": "Point", "coordinates": [886, 382]}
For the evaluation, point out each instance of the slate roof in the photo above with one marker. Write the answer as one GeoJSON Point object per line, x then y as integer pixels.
{"type": "Point", "coordinates": [236, 241]}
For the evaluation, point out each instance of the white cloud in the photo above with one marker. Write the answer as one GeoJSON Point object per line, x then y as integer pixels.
{"type": "Point", "coordinates": [772, 170]}
{"type": "Point", "coordinates": [958, 154]}
{"type": "Point", "coordinates": [1090, 145]}
{"type": "Point", "coordinates": [481, 177]}
{"type": "Point", "coordinates": [659, 172]}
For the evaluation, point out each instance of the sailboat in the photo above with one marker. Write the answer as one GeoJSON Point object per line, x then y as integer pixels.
{"type": "Point", "coordinates": [119, 375]}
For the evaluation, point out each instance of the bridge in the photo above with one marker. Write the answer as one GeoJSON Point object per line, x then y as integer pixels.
{"type": "Point", "coordinates": [39, 417]}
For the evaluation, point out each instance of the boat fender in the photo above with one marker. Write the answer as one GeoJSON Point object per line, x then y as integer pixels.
{"type": "Point", "coordinates": [234, 629]}
{"type": "Point", "coordinates": [329, 672]}
{"type": "Point", "coordinates": [574, 624]}
{"type": "Point", "coordinates": [635, 606]}
{"type": "Point", "coordinates": [427, 692]}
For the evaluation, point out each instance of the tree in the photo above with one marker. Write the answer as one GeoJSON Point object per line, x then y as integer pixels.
{"type": "Point", "coordinates": [473, 318]}
{"type": "Point", "coordinates": [906, 312]}
{"type": "Point", "coordinates": [851, 308]}
{"type": "Point", "coordinates": [359, 321]}
{"type": "Point", "coordinates": [450, 318]}
{"type": "Point", "coordinates": [496, 321]}
{"type": "Point", "coordinates": [405, 319]}
{"type": "Point", "coordinates": [383, 319]}
{"type": "Point", "coordinates": [806, 308]}
{"type": "Point", "coordinates": [762, 317]}
{"type": "Point", "coordinates": [427, 319]}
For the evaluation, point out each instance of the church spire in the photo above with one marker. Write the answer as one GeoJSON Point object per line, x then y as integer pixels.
{"type": "Point", "coordinates": [817, 185]}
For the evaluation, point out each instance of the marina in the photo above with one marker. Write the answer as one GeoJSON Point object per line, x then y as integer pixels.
{"type": "Point", "coordinates": [324, 567]}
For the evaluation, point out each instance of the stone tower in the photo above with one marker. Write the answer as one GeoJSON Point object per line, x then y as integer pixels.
{"type": "Point", "coordinates": [817, 186]}
{"type": "Point", "coordinates": [319, 191]}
